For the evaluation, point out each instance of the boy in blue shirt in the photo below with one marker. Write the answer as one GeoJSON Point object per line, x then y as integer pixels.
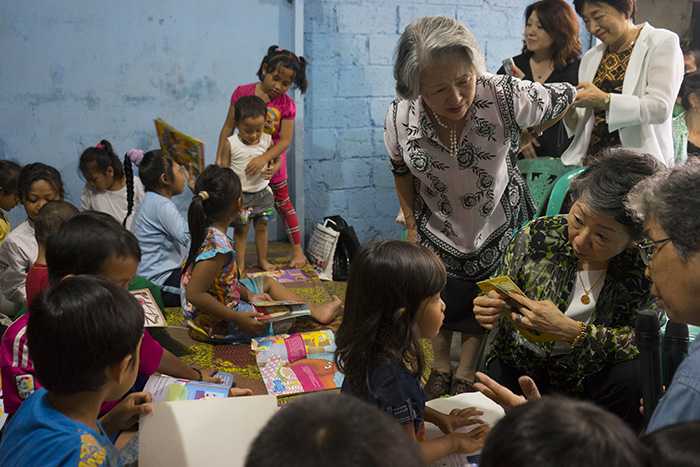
{"type": "Point", "coordinates": [85, 335]}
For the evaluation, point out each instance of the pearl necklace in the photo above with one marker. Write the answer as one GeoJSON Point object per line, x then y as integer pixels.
{"type": "Point", "coordinates": [585, 299]}
{"type": "Point", "coordinates": [453, 134]}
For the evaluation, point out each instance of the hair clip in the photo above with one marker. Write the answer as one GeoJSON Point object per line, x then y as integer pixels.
{"type": "Point", "coordinates": [135, 156]}
{"type": "Point", "coordinates": [99, 146]}
{"type": "Point", "coordinates": [204, 195]}
{"type": "Point", "coordinates": [278, 50]}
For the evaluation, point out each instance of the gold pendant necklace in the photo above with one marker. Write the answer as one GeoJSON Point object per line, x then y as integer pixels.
{"type": "Point", "coordinates": [453, 134]}
{"type": "Point", "coordinates": [585, 299]}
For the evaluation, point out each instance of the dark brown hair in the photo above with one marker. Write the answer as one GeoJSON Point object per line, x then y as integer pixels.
{"type": "Point", "coordinates": [626, 7]}
{"type": "Point", "coordinates": [559, 21]}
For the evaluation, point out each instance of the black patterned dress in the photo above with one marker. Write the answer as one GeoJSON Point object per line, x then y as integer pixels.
{"type": "Point", "coordinates": [468, 207]}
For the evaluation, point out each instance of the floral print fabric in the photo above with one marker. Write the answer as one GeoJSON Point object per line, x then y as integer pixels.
{"type": "Point", "coordinates": [541, 261]}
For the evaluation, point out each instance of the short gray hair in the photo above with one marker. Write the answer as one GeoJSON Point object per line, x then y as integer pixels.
{"type": "Point", "coordinates": [604, 185]}
{"type": "Point", "coordinates": [427, 40]}
{"type": "Point", "coordinates": [672, 199]}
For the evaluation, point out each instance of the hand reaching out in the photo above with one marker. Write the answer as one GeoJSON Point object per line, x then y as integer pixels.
{"type": "Point", "coordinates": [503, 396]}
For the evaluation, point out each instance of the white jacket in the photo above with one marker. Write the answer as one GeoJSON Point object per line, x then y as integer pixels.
{"type": "Point", "coordinates": [642, 113]}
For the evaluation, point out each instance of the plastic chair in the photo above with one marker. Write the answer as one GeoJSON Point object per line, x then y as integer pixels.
{"type": "Point", "coordinates": [541, 174]}
{"type": "Point", "coordinates": [560, 190]}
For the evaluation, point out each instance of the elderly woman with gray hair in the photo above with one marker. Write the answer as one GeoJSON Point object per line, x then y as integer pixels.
{"type": "Point", "coordinates": [453, 136]}
{"type": "Point", "coordinates": [669, 204]}
{"type": "Point", "coordinates": [583, 281]}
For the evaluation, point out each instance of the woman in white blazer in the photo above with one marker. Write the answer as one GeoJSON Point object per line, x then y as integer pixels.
{"type": "Point", "coordinates": [639, 69]}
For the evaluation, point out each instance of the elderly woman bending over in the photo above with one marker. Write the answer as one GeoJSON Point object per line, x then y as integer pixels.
{"type": "Point", "coordinates": [584, 280]}
{"type": "Point", "coordinates": [453, 135]}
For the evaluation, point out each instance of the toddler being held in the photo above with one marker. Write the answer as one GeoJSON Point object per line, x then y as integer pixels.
{"type": "Point", "coordinates": [259, 204]}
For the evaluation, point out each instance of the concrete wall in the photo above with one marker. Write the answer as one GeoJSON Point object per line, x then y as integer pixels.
{"type": "Point", "coordinates": [350, 45]}
{"type": "Point", "coordinates": [72, 73]}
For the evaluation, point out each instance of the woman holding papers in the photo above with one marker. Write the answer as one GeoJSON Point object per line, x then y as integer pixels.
{"type": "Point", "coordinates": [584, 280]}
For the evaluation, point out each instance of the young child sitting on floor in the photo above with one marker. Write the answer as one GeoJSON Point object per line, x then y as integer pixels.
{"type": "Point", "coordinates": [211, 291]}
{"type": "Point", "coordinates": [94, 328]}
{"type": "Point", "coordinates": [324, 429]}
{"type": "Point", "coordinates": [38, 184]}
{"type": "Point", "coordinates": [47, 220]}
{"type": "Point", "coordinates": [239, 150]}
{"type": "Point", "coordinates": [162, 232]}
{"type": "Point", "coordinates": [105, 187]}
{"type": "Point", "coordinates": [393, 301]}
{"type": "Point", "coordinates": [88, 243]}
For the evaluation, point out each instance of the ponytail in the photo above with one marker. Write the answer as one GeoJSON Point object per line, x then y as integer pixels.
{"type": "Point", "coordinates": [276, 58]}
{"type": "Point", "coordinates": [217, 190]}
{"type": "Point", "coordinates": [135, 156]}
{"type": "Point", "coordinates": [197, 220]}
{"type": "Point", "coordinates": [100, 158]}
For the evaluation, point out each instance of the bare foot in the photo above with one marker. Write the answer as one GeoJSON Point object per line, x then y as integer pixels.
{"type": "Point", "coordinates": [266, 265]}
{"type": "Point", "coordinates": [327, 312]}
{"type": "Point", "coordinates": [298, 258]}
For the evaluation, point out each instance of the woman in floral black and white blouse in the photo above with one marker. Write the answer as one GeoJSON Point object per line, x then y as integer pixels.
{"type": "Point", "coordinates": [453, 135]}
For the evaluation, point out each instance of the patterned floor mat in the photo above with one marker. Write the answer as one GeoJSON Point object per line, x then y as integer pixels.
{"type": "Point", "coordinates": [240, 359]}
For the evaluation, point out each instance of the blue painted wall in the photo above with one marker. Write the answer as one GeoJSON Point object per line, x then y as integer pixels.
{"type": "Point", "coordinates": [73, 73]}
{"type": "Point", "coordinates": [350, 46]}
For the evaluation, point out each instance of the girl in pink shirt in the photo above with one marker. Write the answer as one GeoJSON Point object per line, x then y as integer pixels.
{"type": "Point", "coordinates": [280, 69]}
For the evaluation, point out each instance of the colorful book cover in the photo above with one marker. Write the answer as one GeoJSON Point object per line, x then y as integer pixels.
{"type": "Point", "coordinates": [280, 310]}
{"type": "Point", "coordinates": [153, 316]}
{"type": "Point", "coordinates": [297, 363]}
{"type": "Point", "coordinates": [510, 290]}
{"type": "Point", "coordinates": [165, 388]}
{"type": "Point", "coordinates": [282, 275]}
{"type": "Point", "coordinates": [183, 149]}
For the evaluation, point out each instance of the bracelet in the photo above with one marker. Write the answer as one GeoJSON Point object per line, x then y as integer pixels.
{"type": "Point", "coordinates": [581, 335]}
{"type": "Point", "coordinates": [198, 372]}
{"type": "Point", "coordinates": [534, 133]}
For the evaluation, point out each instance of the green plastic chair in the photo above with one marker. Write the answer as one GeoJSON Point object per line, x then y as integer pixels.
{"type": "Point", "coordinates": [541, 174]}
{"type": "Point", "coordinates": [560, 190]}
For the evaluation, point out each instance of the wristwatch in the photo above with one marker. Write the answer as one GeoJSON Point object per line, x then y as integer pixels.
{"type": "Point", "coordinates": [606, 101]}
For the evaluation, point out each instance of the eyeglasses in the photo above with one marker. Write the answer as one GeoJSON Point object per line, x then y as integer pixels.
{"type": "Point", "coordinates": [647, 248]}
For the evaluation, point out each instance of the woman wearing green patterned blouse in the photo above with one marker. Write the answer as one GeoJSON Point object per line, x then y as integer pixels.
{"type": "Point", "coordinates": [584, 281]}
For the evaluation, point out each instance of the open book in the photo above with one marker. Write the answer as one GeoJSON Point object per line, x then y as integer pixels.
{"type": "Point", "coordinates": [153, 316]}
{"type": "Point", "coordinates": [164, 388]}
{"type": "Point", "coordinates": [280, 310]}
{"type": "Point", "coordinates": [298, 363]}
{"type": "Point", "coordinates": [507, 287]}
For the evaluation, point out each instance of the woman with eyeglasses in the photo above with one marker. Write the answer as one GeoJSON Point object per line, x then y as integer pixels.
{"type": "Point", "coordinates": [583, 277]}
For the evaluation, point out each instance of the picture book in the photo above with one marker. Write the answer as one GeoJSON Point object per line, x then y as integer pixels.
{"type": "Point", "coordinates": [280, 310]}
{"type": "Point", "coordinates": [164, 388]}
{"type": "Point", "coordinates": [153, 316]}
{"type": "Point", "coordinates": [510, 290]}
{"type": "Point", "coordinates": [292, 364]}
{"type": "Point", "coordinates": [183, 149]}
{"type": "Point", "coordinates": [282, 275]}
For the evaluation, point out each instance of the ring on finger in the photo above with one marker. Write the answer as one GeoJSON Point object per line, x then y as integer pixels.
{"type": "Point", "coordinates": [517, 318]}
